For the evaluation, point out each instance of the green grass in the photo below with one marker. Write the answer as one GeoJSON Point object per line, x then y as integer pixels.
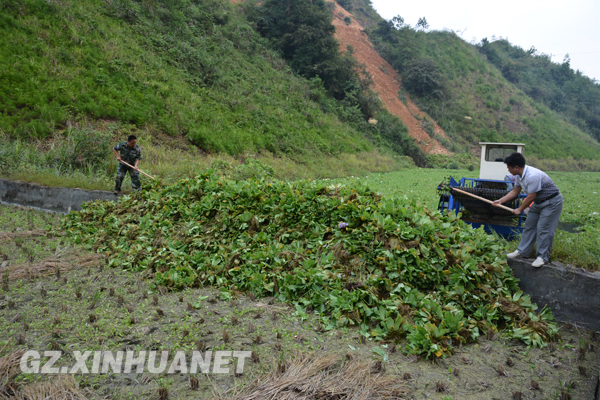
{"type": "Point", "coordinates": [194, 68]}
{"type": "Point", "coordinates": [164, 71]}
{"type": "Point", "coordinates": [81, 158]}
{"type": "Point", "coordinates": [417, 184]}
{"type": "Point", "coordinates": [581, 192]}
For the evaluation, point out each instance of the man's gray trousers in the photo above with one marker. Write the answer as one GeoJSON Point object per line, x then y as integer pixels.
{"type": "Point", "coordinates": [541, 223]}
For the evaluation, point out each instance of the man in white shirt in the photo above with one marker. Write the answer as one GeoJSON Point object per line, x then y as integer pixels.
{"type": "Point", "coordinates": [543, 215]}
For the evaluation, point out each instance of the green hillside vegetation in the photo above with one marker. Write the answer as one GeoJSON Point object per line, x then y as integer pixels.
{"type": "Point", "coordinates": [302, 32]}
{"type": "Point", "coordinates": [471, 99]}
{"type": "Point", "coordinates": [558, 86]}
{"type": "Point", "coordinates": [196, 69]}
{"type": "Point", "coordinates": [264, 81]}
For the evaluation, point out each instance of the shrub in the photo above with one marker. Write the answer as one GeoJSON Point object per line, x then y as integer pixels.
{"type": "Point", "coordinates": [423, 77]}
{"type": "Point", "coordinates": [346, 4]}
{"type": "Point", "coordinates": [78, 149]}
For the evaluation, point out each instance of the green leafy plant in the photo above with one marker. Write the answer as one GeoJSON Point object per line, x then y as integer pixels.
{"type": "Point", "coordinates": [389, 267]}
{"type": "Point", "coordinates": [380, 352]}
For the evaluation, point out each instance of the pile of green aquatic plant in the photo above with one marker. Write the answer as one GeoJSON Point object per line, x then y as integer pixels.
{"type": "Point", "coordinates": [389, 266]}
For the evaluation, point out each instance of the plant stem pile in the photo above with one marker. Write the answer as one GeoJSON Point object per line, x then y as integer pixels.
{"type": "Point", "coordinates": [388, 266]}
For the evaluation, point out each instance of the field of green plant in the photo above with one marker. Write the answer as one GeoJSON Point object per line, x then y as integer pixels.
{"type": "Point", "coordinates": [581, 191]}
{"type": "Point", "coordinates": [387, 266]}
{"type": "Point", "coordinates": [78, 305]}
{"type": "Point", "coordinates": [418, 184]}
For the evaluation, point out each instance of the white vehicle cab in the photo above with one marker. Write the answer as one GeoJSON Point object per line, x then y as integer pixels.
{"type": "Point", "coordinates": [492, 159]}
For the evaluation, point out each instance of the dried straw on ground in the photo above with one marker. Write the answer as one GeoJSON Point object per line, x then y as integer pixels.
{"type": "Point", "coordinates": [326, 377]}
{"type": "Point", "coordinates": [66, 263]}
{"type": "Point", "coordinates": [61, 388]}
{"type": "Point", "coordinates": [11, 235]}
{"type": "Point", "coordinates": [9, 368]}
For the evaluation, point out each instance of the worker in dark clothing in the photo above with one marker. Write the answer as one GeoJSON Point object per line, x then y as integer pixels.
{"type": "Point", "coordinates": [131, 153]}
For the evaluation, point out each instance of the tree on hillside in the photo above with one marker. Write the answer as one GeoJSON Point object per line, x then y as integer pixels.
{"type": "Point", "coordinates": [424, 78]}
{"type": "Point", "coordinates": [386, 29]}
{"type": "Point", "coordinates": [303, 32]}
{"type": "Point", "coordinates": [398, 22]}
{"type": "Point", "coordinates": [422, 23]}
{"type": "Point", "coordinates": [492, 55]}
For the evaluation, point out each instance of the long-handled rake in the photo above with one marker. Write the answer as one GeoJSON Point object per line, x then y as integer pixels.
{"type": "Point", "coordinates": [482, 199]}
{"type": "Point", "coordinates": [129, 165]}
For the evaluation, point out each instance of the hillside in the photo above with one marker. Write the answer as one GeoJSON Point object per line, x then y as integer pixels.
{"type": "Point", "coordinates": [456, 84]}
{"type": "Point", "coordinates": [193, 69]}
{"type": "Point", "coordinates": [386, 82]}
{"type": "Point", "coordinates": [161, 68]}
{"type": "Point", "coordinates": [207, 83]}
{"type": "Point", "coordinates": [558, 86]}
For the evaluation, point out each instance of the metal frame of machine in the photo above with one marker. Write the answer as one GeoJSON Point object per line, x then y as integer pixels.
{"type": "Point", "coordinates": [496, 168]}
{"type": "Point", "coordinates": [448, 202]}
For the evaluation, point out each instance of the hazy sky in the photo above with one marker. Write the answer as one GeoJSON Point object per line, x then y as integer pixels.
{"type": "Point", "coordinates": [555, 27]}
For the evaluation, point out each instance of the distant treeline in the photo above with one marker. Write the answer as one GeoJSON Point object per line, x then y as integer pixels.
{"type": "Point", "coordinates": [558, 86]}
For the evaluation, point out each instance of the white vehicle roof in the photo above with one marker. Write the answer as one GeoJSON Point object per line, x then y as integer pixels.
{"type": "Point", "coordinates": [504, 144]}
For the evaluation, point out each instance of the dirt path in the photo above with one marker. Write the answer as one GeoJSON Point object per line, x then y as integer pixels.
{"type": "Point", "coordinates": [386, 81]}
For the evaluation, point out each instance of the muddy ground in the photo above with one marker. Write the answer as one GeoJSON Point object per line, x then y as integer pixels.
{"type": "Point", "coordinates": [87, 306]}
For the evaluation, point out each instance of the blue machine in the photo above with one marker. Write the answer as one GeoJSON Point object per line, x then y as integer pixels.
{"type": "Point", "coordinates": [479, 213]}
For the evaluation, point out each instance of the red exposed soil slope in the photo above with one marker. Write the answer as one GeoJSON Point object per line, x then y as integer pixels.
{"type": "Point", "coordinates": [386, 81]}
